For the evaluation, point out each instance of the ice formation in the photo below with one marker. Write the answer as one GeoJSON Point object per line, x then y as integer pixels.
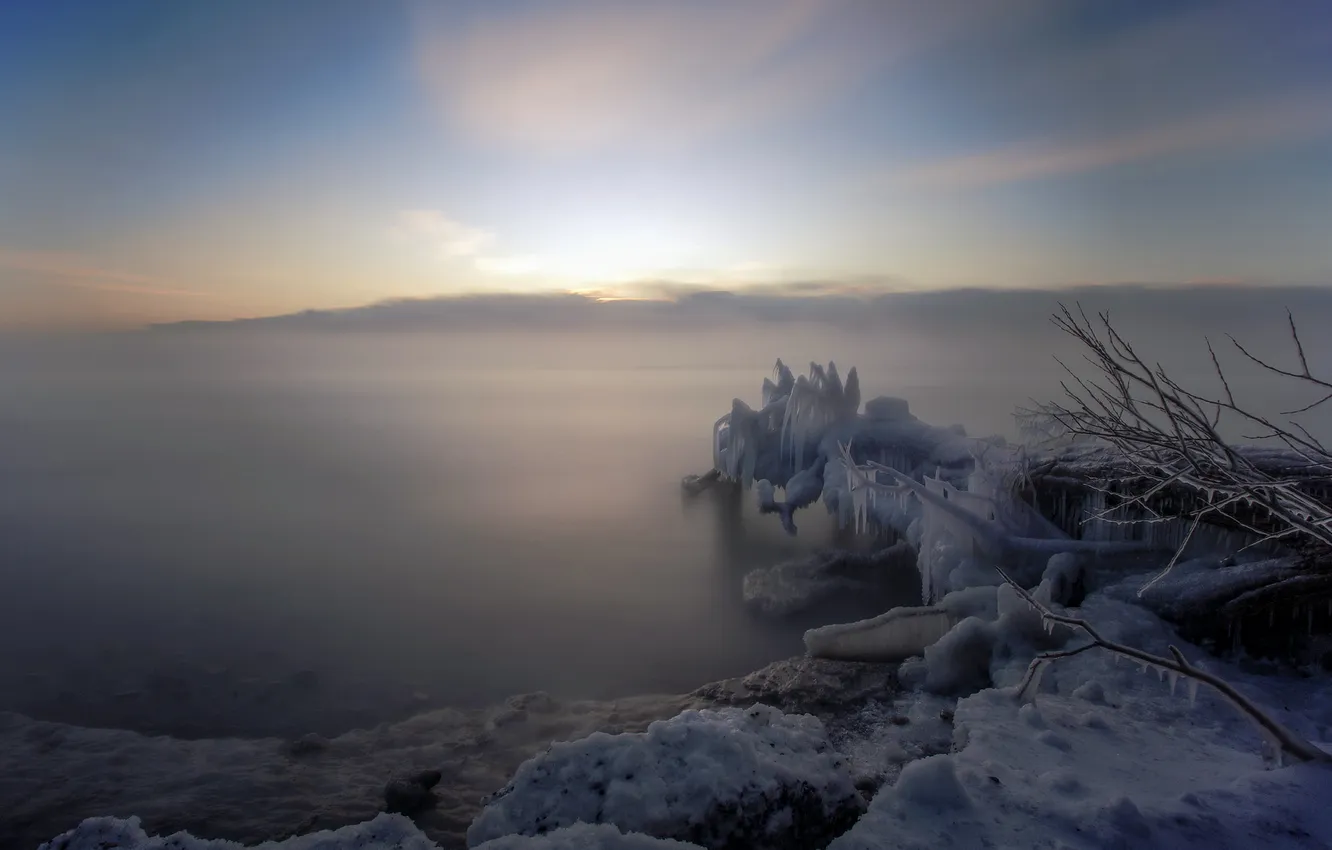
{"type": "Point", "coordinates": [1107, 757]}
{"type": "Point", "coordinates": [885, 469]}
{"type": "Point", "coordinates": [797, 584]}
{"type": "Point", "coordinates": [892, 636]}
{"type": "Point", "coordinates": [728, 778]}
{"type": "Point", "coordinates": [385, 832]}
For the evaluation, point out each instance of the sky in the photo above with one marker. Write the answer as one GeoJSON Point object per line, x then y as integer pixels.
{"type": "Point", "coordinates": [200, 160]}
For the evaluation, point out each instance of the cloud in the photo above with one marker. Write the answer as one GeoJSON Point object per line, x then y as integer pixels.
{"type": "Point", "coordinates": [75, 271]}
{"type": "Point", "coordinates": [455, 240]}
{"type": "Point", "coordinates": [502, 265]}
{"type": "Point", "coordinates": [1252, 125]}
{"type": "Point", "coordinates": [580, 76]}
{"type": "Point", "coordinates": [1185, 311]}
{"type": "Point", "coordinates": [450, 237]}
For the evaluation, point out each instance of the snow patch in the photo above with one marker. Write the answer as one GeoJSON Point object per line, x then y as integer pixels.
{"type": "Point", "coordinates": [727, 778]}
{"type": "Point", "coordinates": [385, 832]}
{"type": "Point", "coordinates": [586, 836]}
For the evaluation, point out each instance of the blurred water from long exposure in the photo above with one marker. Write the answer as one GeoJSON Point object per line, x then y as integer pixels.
{"type": "Point", "coordinates": [224, 533]}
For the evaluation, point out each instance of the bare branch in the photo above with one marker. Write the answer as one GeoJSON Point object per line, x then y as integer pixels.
{"type": "Point", "coordinates": [1168, 439]}
{"type": "Point", "coordinates": [1285, 740]}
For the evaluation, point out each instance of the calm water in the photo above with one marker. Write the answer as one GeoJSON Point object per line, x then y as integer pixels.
{"type": "Point", "coordinates": [268, 535]}
{"type": "Point", "coordinates": [258, 534]}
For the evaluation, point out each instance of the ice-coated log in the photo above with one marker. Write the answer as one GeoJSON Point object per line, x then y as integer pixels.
{"type": "Point", "coordinates": [897, 635]}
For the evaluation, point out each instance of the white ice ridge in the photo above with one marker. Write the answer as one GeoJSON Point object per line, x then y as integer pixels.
{"type": "Point", "coordinates": [726, 778]}
{"type": "Point", "coordinates": [385, 832]}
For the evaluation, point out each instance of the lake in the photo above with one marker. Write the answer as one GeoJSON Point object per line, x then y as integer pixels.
{"type": "Point", "coordinates": [225, 533]}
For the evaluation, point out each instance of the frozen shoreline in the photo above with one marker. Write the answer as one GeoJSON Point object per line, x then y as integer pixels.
{"type": "Point", "coordinates": [1106, 756]}
{"type": "Point", "coordinates": [260, 789]}
{"type": "Point", "coordinates": [253, 790]}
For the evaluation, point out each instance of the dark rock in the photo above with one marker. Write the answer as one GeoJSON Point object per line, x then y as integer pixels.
{"type": "Point", "coordinates": [868, 786]}
{"type": "Point", "coordinates": [809, 685]}
{"type": "Point", "coordinates": [411, 793]}
{"type": "Point", "coordinates": [505, 716]}
{"type": "Point", "coordinates": [427, 778]}
{"type": "Point", "coordinates": [538, 702]}
{"type": "Point", "coordinates": [784, 788]}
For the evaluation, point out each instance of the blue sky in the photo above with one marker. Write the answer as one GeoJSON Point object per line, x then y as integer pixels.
{"type": "Point", "coordinates": [163, 160]}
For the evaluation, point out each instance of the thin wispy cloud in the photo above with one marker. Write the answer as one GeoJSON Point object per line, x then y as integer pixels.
{"type": "Point", "coordinates": [593, 74]}
{"type": "Point", "coordinates": [1246, 127]}
{"type": "Point", "coordinates": [501, 265]}
{"type": "Point", "coordinates": [450, 237]}
{"type": "Point", "coordinates": [74, 271]}
{"type": "Point", "coordinates": [453, 240]}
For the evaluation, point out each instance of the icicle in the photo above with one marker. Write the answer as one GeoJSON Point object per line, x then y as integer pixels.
{"type": "Point", "coordinates": [1193, 691]}
{"type": "Point", "coordinates": [1173, 678]}
{"type": "Point", "coordinates": [1143, 668]}
{"type": "Point", "coordinates": [1160, 673]}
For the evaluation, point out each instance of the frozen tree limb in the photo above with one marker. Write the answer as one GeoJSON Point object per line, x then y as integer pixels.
{"type": "Point", "coordinates": [1281, 738]}
{"type": "Point", "coordinates": [1166, 437]}
{"type": "Point", "coordinates": [991, 536]}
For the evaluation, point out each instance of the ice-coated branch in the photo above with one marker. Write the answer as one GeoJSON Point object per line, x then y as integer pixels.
{"type": "Point", "coordinates": [1167, 435]}
{"type": "Point", "coordinates": [991, 536]}
{"type": "Point", "coordinates": [1284, 740]}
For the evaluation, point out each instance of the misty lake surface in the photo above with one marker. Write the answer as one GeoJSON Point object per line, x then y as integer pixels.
{"type": "Point", "coordinates": [269, 535]}
{"type": "Point", "coordinates": [213, 533]}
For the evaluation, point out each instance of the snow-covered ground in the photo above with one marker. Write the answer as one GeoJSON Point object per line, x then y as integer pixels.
{"type": "Point", "coordinates": [252, 790]}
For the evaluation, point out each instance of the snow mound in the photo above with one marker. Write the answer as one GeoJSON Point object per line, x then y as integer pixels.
{"type": "Point", "coordinates": [385, 832]}
{"type": "Point", "coordinates": [1109, 756]}
{"type": "Point", "coordinates": [932, 782]}
{"type": "Point", "coordinates": [586, 836]}
{"type": "Point", "coordinates": [728, 778]}
{"type": "Point", "coordinates": [960, 660]}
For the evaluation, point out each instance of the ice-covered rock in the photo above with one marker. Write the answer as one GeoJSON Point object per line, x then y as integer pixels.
{"type": "Point", "coordinates": [410, 793]}
{"type": "Point", "coordinates": [385, 832]}
{"type": "Point", "coordinates": [888, 409]}
{"type": "Point", "coordinates": [981, 601]}
{"type": "Point", "coordinates": [794, 585]}
{"type": "Point", "coordinates": [807, 685]}
{"type": "Point", "coordinates": [1064, 581]}
{"type": "Point", "coordinates": [729, 778]}
{"type": "Point", "coordinates": [586, 836]}
{"type": "Point", "coordinates": [1110, 757]}
{"type": "Point", "coordinates": [959, 662]}
{"type": "Point", "coordinates": [892, 636]}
